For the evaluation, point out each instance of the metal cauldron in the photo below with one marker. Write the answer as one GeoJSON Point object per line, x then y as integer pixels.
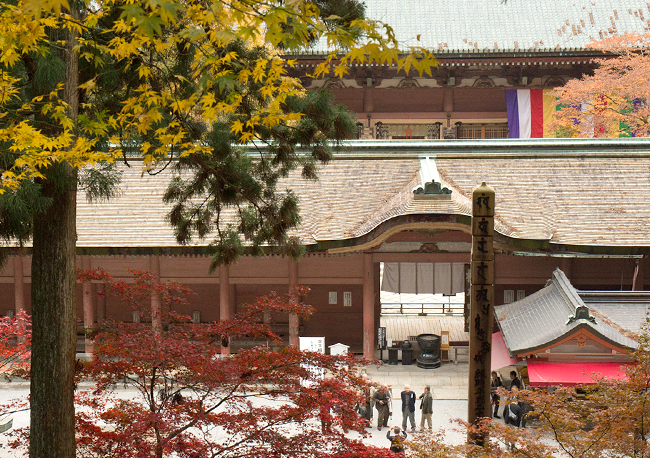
{"type": "Point", "coordinates": [430, 346]}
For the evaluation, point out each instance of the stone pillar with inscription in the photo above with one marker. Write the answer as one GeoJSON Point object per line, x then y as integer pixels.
{"type": "Point", "coordinates": [481, 305]}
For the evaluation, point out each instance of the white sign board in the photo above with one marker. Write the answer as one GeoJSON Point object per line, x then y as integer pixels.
{"type": "Point", "coordinates": [316, 345]}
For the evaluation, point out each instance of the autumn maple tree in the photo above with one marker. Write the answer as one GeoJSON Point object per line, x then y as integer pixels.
{"type": "Point", "coordinates": [268, 400]}
{"type": "Point", "coordinates": [613, 101]}
{"type": "Point", "coordinates": [161, 387]}
{"type": "Point", "coordinates": [15, 342]}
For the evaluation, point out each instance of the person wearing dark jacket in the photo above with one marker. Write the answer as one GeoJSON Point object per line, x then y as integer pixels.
{"type": "Point", "coordinates": [396, 439]}
{"type": "Point", "coordinates": [381, 404]}
{"type": "Point", "coordinates": [426, 405]}
{"type": "Point", "coordinates": [516, 383]}
{"type": "Point", "coordinates": [408, 407]}
{"type": "Point", "coordinates": [512, 414]}
{"type": "Point", "coordinates": [495, 384]}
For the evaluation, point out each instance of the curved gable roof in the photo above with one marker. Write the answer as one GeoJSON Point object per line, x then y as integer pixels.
{"type": "Point", "coordinates": [574, 198]}
{"type": "Point", "coordinates": [544, 318]}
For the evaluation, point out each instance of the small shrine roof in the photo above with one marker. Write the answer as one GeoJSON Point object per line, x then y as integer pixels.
{"type": "Point", "coordinates": [550, 316]}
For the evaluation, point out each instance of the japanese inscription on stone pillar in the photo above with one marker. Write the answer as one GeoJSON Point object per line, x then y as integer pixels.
{"type": "Point", "coordinates": [481, 302]}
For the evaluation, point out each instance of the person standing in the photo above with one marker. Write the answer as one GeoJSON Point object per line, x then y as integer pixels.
{"type": "Point", "coordinates": [408, 407]}
{"type": "Point", "coordinates": [516, 383]}
{"type": "Point", "coordinates": [371, 403]}
{"type": "Point", "coordinates": [495, 384]}
{"type": "Point", "coordinates": [365, 408]}
{"type": "Point", "coordinates": [381, 403]}
{"type": "Point", "coordinates": [511, 416]}
{"type": "Point", "coordinates": [426, 404]}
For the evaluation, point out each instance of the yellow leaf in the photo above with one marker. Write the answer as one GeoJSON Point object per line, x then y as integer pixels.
{"type": "Point", "coordinates": [340, 71]}
{"type": "Point", "coordinates": [236, 127]}
{"type": "Point", "coordinates": [246, 137]}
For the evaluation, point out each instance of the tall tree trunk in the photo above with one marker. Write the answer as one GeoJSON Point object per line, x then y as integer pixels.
{"type": "Point", "coordinates": [54, 319]}
{"type": "Point", "coordinates": [54, 305]}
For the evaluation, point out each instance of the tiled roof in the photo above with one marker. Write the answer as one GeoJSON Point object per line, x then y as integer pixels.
{"type": "Point", "coordinates": [497, 25]}
{"type": "Point", "coordinates": [542, 319]}
{"type": "Point", "coordinates": [574, 200]}
{"type": "Point", "coordinates": [627, 309]}
{"type": "Point", "coordinates": [135, 218]}
{"type": "Point", "coordinates": [349, 195]}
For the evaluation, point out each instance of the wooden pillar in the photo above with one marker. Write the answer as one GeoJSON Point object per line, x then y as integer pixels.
{"type": "Point", "coordinates": [294, 322]}
{"type": "Point", "coordinates": [89, 305]}
{"type": "Point", "coordinates": [232, 297]}
{"type": "Point", "coordinates": [448, 103]}
{"type": "Point", "coordinates": [368, 307]}
{"type": "Point", "coordinates": [481, 307]}
{"type": "Point", "coordinates": [156, 304]}
{"type": "Point", "coordinates": [225, 307]}
{"type": "Point", "coordinates": [101, 301]}
{"type": "Point", "coordinates": [19, 284]}
{"type": "Point", "coordinates": [368, 101]}
{"type": "Point", "coordinates": [377, 309]}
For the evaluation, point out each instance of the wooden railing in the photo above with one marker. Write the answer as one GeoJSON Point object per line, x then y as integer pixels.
{"type": "Point", "coordinates": [426, 309]}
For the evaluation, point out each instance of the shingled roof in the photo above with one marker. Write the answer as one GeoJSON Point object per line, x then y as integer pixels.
{"type": "Point", "coordinates": [549, 316]}
{"type": "Point", "coordinates": [498, 25]}
{"type": "Point", "coordinates": [627, 310]}
{"type": "Point", "coordinates": [583, 192]}
{"type": "Point", "coordinates": [572, 200]}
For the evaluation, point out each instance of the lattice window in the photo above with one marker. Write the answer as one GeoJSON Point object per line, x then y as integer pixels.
{"type": "Point", "coordinates": [476, 131]}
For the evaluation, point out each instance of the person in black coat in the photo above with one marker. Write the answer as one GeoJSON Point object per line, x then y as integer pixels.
{"type": "Point", "coordinates": [408, 407]}
{"type": "Point", "coordinates": [495, 384]}
{"type": "Point", "coordinates": [512, 414]}
{"type": "Point", "coordinates": [516, 383]}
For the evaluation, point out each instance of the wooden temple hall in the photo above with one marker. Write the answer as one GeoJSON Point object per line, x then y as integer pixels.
{"type": "Point", "coordinates": [397, 200]}
{"type": "Point", "coordinates": [577, 205]}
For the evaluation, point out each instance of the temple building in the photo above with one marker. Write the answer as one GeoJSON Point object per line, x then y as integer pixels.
{"type": "Point", "coordinates": [399, 196]}
{"type": "Point", "coordinates": [564, 335]}
{"type": "Point", "coordinates": [579, 205]}
{"type": "Point", "coordinates": [495, 63]}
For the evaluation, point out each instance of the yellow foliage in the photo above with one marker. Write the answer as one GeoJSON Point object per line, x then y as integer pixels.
{"type": "Point", "coordinates": [145, 37]}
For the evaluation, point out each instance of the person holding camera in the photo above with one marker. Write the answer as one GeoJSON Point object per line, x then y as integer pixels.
{"type": "Point", "coordinates": [396, 439]}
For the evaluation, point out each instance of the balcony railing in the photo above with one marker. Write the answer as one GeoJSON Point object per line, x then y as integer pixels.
{"type": "Point", "coordinates": [435, 131]}
{"type": "Point", "coordinates": [425, 309]}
